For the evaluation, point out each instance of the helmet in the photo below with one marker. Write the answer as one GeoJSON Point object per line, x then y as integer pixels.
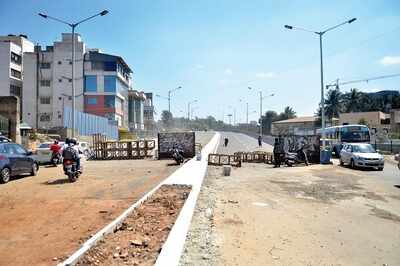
{"type": "Point", "coordinates": [67, 141]}
{"type": "Point", "coordinates": [73, 141]}
{"type": "Point", "coordinates": [56, 142]}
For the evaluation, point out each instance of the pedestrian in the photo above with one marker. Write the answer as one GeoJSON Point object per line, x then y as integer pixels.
{"type": "Point", "coordinates": [226, 140]}
{"type": "Point", "coordinates": [278, 151]}
{"type": "Point", "coordinates": [259, 141]}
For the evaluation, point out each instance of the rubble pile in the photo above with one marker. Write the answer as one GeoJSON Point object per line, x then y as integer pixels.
{"type": "Point", "coordinates": [139, 239]}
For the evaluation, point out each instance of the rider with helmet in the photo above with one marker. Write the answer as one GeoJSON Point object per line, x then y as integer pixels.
{"type": "Point", "coordinates": [71, 152]}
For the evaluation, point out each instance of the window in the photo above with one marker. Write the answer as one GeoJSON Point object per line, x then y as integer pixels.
{"type": "Point", "coordinates": [59, 62]}
{"type": "Point", "coordinates": [110, 66]}
{"type": "Point", "coordinates": [15, 90]}
{"type": "Point", "coordinates": [90, 83]}
{"type": "Point", "coordinates": [110, 83]}
{"type": "Point", "coordinates": [16, 73]}
{"type": "Point", "coordinates": [18, 149]}
{"type": "Point", "coordinates": [45, 83]}
{"type": "Point", "coordinates": [44, 65]}
{"type": "Point", "coordinates": [45, 100]}
{"type": "Point", "coordinates": [97, 65]}
{"type": "Point", "coordinates": [109, 101]}
{"type": "Point", "coordinates": [45, 117]}
{"type": "Point", "coordinates": [15, 58]}
{"type": "Point", "coordinates": [92, 100]}
{"type": "Point", "coordinates": [59, 80]}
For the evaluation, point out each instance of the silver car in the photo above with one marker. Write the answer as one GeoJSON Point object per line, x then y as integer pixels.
{"type": "Point", "coordinates": [361, 155]}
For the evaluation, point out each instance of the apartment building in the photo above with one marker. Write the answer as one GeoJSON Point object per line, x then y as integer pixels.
{"type": "Point", "coordinates": [135, 110]}
{"type": "Point", "coordinates": [48, 82]}
{"type": "Point", "coordinates": [107, 80]}
{"type": "Point", "coordinates": [12, 49]}
{"type": "Point", "coordinates": [148, 113]}
{"type": "Point", "coordinates": [375, 119]}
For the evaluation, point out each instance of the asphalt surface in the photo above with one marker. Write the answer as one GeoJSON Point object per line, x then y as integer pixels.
{"type": "Point", "coordinates": [242, 142]}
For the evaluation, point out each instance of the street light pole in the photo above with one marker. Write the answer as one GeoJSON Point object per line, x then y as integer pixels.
{"type": "Point", "coordinates": [261, 107]}
{"type": "Point", "coordinates": [188, 108]}
{"type": "Point", "coordinates": [169, 97]}
{"type": "Point", "coordinates": [73, 26]}
{"type": "Point", "coordinates": [320, 33]}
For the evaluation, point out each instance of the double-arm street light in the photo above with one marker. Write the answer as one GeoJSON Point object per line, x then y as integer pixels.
{"type": "Point", "coordinates": [261, 106]}
{"type": "Point", "coordinates": [73, 26]}
{"type": "Point", "coordinates": [320, 33]}
{"type": "Point", "coordinates": [169, 97]}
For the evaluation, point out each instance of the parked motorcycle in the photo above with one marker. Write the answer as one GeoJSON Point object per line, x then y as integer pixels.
{"type": "Point", "coordinates": [70, 170]}
{"type": "Point", "coordinates": [297, 157]}
{"type": "Point", "coordinates": [177, 155]}
{"type": "Point", "coordinates": [56, 159]}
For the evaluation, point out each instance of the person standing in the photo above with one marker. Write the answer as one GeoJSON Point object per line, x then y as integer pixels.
{"type": "Point", "coordinates": [277, 156]}
{"type": "Point", "coordinates": [226, 140]}
{"type": "Point", "coordinates": [259, 141]}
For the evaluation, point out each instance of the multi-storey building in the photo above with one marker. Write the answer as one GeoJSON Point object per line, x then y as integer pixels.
{"type": "Point", "coordinates": [135, 110]}
{"type": "Point", "coordinates": [48, 83]}
{"type": "Point", "coordinates": [12, 49]}
{"type": "Point", "coordinates": [107, 80]}
{"type": "Point", "coordinates": [148, 113]}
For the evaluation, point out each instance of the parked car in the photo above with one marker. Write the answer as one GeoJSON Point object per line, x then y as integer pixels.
{"type": "Point", "coordinates": [4, 139]}
{"type": "Point", "coordinates": [83, 148]}
{"type": "Point", "coordinates": [16, 160]}
{"type": "Point", "coordinates": [361, 155]}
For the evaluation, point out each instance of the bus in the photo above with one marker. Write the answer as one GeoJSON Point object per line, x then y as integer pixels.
{"type": "Point", "coordinates": [337, 135]}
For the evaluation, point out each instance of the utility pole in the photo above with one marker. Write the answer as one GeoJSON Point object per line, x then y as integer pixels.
{"type": "Point", "coordinates": [247, 113]}
{"type": "Point", "coordinates": [261, 98]}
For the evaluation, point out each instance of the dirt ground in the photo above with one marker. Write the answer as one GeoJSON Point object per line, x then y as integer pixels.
{"type": "Point", "coordinates": [141, 236]}
{"type": "Point", "coordinates": [317, 215]}
{"type": "Point", "coordinates": [46, 218]}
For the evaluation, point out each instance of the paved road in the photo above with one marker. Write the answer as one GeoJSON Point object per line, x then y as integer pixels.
{"type": "Point", "coordinates": [242, 142]}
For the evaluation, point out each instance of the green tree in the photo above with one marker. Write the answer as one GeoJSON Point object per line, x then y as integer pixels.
{"type": "Point", "coordinates": [267, 119]}
{"type": "Point", "coordinates": [352, 101]}
{"type": "Point", "coordinates": [333, 103]}
{"type": "Point", "coordinates": [287, 113]}
{"type": "Point", "coordinates": [166, 119]}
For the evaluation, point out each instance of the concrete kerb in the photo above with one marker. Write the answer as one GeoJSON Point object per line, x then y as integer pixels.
{"type": "Point", "coordinates": [172, 179]}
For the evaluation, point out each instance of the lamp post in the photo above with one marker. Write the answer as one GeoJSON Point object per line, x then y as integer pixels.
{"type": "Point", "coordinates": [320, 34]}
{"type": "Point", "coordinates": [188, 108]}
{"type": "Point", "coordinates": [261, 106]}
{"type": "Point", "coordinates": [169, 97]}
{"type": "Point", "coordinates": [73, 26]}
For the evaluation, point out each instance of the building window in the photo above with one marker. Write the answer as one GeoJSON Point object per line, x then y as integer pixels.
{"type": "Point", "coordinates": [110, 66]}
{"type": "Point", "coordinates": [45, 100]}
{"type": "Point", "coordinates": [92, 100]}
{"type": "Point", "coordinates": [15, 58]}
{"type": "Point", "coordinates": [16, 73]}
{"type": "Point", "coordinates": [59, 62]}
{"type": "Point", "coordinates": [45, 83]}
{"type": "Point", "coordinates": [70, 62]}
{"type": "Point", "coordinates": [110, 83]}
{"type": "Point", "coordinates": [60, 80]}
{"type": "Point", "coordinates": [45, 117]}
{"type": "Point", "coordinates": [109, 101]}
{"type": "Point", "coordinates": [97, 65]}
{"type": "Point", "coordinates": [44, 65]}
{"type": "Point", "coordinates": [15, 90]}
{"type": "Point", "coordinates": [90, 83]}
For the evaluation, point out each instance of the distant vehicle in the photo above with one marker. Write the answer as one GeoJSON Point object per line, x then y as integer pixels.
{"type": "Point", "coordinates": [361, 155]}
{"type": "Point", "coordinates": [43, 152]}
{"type": "Point", "coordinates": [83, 148]}
{"type": "Point", "coordinates": [16, 160]}
{"type": "Point", "coordinates": [4, 139]}
{"type": "Point", "coordinates": [336, 136]}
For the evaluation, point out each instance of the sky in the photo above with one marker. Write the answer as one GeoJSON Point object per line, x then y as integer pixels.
{"type": "Point", "coordinates": [216, 49]}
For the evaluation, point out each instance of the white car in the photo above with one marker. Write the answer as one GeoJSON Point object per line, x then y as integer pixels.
{"type": "Point", "coordinates": [43, 152]}
{"type": "Point", "coordinates": [361, 155]}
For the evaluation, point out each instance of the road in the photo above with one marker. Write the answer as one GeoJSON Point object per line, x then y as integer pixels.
{"type": "Point", "coordinates": [315, 215]}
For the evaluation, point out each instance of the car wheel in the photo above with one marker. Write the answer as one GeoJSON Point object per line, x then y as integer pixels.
{"type": "Point", "coordinates": [352, 165]}
{"type": "Point", "coordinates": [5, 175]}
{"type": "Point", "coordinates": [380, 169]}
{"type": "Point", "coordinates": [341, 162]}
{"type": "Point", "coordinates": [34, 170]}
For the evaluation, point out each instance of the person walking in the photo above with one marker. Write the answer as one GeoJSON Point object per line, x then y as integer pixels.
{"type": "Point", "coordinates": [259, 141]}
{"type": "Point", "coordinates": [278, 151]}
{"type": "Point", "coordinates": [226, 140]}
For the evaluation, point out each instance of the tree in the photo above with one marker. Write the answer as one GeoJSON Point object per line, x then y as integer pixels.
{"type": "Point", "coordinates": [267, 119]}
{"type": "Point", "coordinates": [352, 101]}
{"type": "Point", "coordinates": [333, 103]}
{"type": "Point", "coordinates": [287, 113]}
{"type": "Point", "coordinates": [166, 119]}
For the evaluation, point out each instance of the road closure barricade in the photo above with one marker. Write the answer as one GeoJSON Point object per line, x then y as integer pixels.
{"type": "Point", "coordinates": [256, 157]}
{"type": "Point", "coordinates": [104, 149]}
{"type": "Point", "coordinates": [224, 159]}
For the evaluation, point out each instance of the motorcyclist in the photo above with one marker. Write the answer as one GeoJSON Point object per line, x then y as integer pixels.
{"type": "Point", "coordinates": [71, 152]}
{"type": "Point", "coordinates": [55, 148]}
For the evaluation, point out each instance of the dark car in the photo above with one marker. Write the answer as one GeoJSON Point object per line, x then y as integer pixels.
{"type": "Point", "coordinates": [15, 160]}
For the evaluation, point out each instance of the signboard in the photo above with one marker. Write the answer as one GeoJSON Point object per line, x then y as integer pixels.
{"type": "Point", "coordinates": [183, 140]}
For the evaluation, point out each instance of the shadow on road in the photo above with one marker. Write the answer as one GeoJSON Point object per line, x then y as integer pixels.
{"type": "Point", "coordinates": [397, 186]}
{"type": "Point", "coordinates": [57, 182]}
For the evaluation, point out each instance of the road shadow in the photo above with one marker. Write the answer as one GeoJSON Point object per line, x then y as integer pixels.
{"type": "Point", "coordinates": [397, 186]}
{"type": "Point", "coordinates": [56, 182]}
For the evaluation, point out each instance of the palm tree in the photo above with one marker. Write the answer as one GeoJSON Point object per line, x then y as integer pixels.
{"type": "Point", "coordinates": [333, 103]}
{"type": "Point", "coordinates": [352, 101]}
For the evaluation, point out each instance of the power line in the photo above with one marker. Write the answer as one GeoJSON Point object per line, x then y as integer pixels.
{"type": "Point", "coordinates": [364, 80]}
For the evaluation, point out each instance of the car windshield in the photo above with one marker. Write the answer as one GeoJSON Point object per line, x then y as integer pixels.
{"type": "Point", "coordinates": [367, 148]}
{"type": "Point", "coordinates": [44, 145]}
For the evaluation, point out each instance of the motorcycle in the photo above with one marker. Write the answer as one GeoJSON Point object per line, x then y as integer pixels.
{"type": "Point", "coordinates": [297, 157]}
{"type": "Point", "coordinates": [177, 155]}
{"type": "Point", "coordinates": [56, 158]}
{"type": "Point", "coordinates": [70, 170]}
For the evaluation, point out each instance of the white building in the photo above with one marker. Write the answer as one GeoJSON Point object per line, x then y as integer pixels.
{"type": "Point", "coordinates": [12, 69]}
{"type": "Point", "coordinates": [48, 84]}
